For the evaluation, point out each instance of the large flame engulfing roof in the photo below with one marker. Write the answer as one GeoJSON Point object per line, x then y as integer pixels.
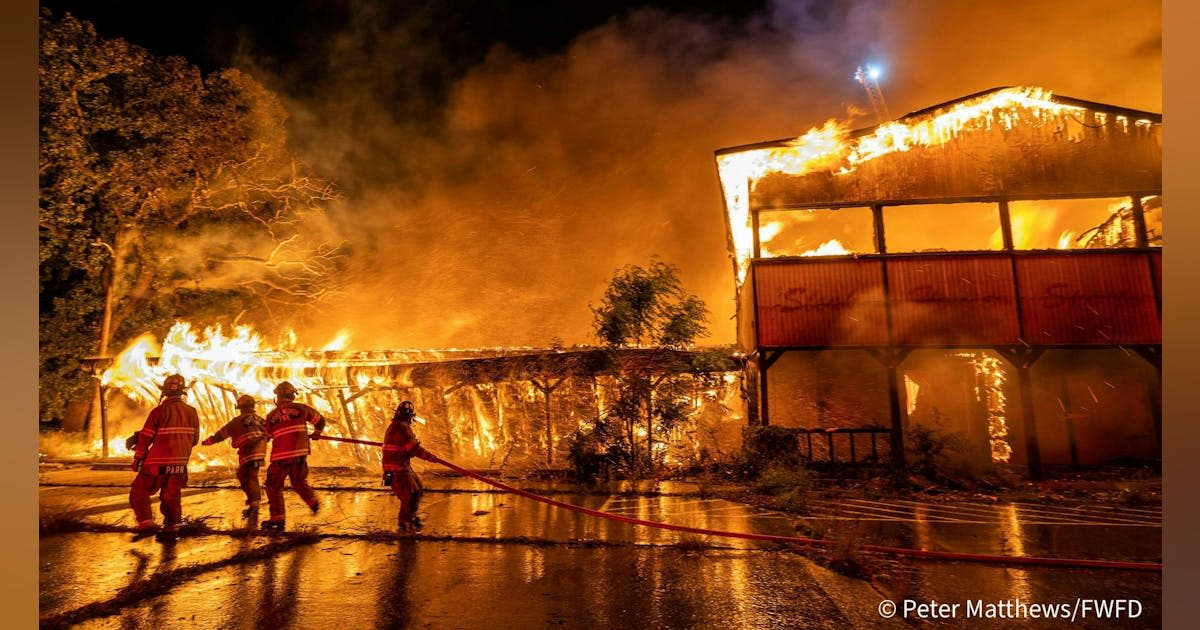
{"type": "Point", "coordinates": [833, 149]}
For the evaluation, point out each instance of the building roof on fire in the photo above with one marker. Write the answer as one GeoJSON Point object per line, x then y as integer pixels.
{"type": "Point", "coordinates": [1135, 114]}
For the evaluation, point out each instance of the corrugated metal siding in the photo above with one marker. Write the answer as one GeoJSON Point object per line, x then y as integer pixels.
{"type": "Point", "coordinates": [1156, 260]}
{"type": "Point", "coordinates": [953, 300]}
{"type": "Point", "coordinates": [1093, 298]}
{"type": "Point", "coordinates": [820, 303]}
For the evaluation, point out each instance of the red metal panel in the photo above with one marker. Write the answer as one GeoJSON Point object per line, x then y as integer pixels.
{"type": "Point", "coordinates": [820, 303]}
{"type": "Point", "coordinates": [953, 300]}
{"type": "Point", "coordinates": [1088, 298]}
{"type": "Point", "coordinates": [1156, 260]}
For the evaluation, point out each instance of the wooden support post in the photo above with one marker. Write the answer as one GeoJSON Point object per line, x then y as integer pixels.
{"type": "Point", "coordinates": [547, 388]}
{"type": "Point", "coordinates": [891, 358]}
{"type": "Point", "coordinates": [1153, 356]}
{"type": "Point", "coordinates": [1141, 239]}
{"type": "Point", "coordinates": [102, 396]}
{"type": "Point", "coordinates": [1006, 226]}
{"type": "Point", "coordinates": [352, 426]}
{"type": "Point", "coordinates": [445, 393]}
{"type": "Point", "coordinates": [877, 224]}
{"type": "Point", "coordinates": [1068, 419]}
{"type": "Point", "coordinates": [896, 411]}
{"type": "Point", "coordinates": [764, 363]}
{"type": "Point", "coordinates": [1023, 358]}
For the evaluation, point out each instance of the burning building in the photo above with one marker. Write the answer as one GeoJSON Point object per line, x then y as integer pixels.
{"type": "Point", "coordinates": [1002, 248]}
{"type": "Point", "coordinates": [499, 408]}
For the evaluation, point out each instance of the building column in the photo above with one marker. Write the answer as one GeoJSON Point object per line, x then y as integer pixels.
{"type": "Point", "coordinates": [891, 358]}
{"type": "Point", "coordinates": [1023, 359]}
{"type": "Point", "coordinates": [765, 361]}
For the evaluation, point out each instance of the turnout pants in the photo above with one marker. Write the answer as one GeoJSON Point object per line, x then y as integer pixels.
{"type": "Point", "coordinates": [407, 487]}
{"type": "Point", "coordinates": [170, 493]}
{"type": "Point", "coordinates": [295, 469]}
{"type": "Point", "coordinates": [247, 476]}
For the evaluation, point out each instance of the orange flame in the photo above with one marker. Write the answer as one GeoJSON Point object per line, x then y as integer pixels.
{"type": "Point", "coordinates": [991, 392]}
{"type": "Point", "coordinates": [831, 247]}
{"type": "Point", "coordinates": [355, 391]}
{"type": "Point", "coordinates": [830, 149]}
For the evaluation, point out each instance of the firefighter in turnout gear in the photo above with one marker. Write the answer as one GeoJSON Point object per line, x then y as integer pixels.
{"type": "Point", "coordinates": [246, 434]}
{"type": "Point", "coordinates": [287, 428]}
{"type": "Point", "coordinates": [160, 458]}
{"type": "Point", "coordinates": [400, 445]}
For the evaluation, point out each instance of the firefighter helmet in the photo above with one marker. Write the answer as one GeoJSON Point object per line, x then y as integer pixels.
{"type": "Point", "coordinates": [245, 402]}
{"type": "Point", "coordinates": [285, 391]}
{"type": "Point", "coordinates": [405, 411]}
{"type": "Point", "coordinates": [173, 385]}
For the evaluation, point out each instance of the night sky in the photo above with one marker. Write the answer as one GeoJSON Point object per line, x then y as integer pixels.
{"type": "Point", "coordinates": [293, 37]}
{"type": "Point", "coordinates": [500, 160]}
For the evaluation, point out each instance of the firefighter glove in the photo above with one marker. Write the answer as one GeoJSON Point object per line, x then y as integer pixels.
{"type": "Point", "coordinates": [387, 478]}
{"type": "Point", "coordinates": [137, 464]}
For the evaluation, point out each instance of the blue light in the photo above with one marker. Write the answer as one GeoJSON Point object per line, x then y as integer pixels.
{"type": "Point", "coordinates": [874, 72]}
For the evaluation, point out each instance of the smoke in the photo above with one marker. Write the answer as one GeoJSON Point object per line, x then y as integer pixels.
{"type": "Point", "coordinates": [493, 211]}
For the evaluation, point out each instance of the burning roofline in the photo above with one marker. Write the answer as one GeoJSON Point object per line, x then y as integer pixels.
{"type": "Point", "coordinates": [578, 360]}
{"type": "Point", "coordinates": [1155, 118]}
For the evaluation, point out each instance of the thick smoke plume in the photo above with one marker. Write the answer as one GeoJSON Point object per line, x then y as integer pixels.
{"type": "Point", "coordinates": [494, 215]}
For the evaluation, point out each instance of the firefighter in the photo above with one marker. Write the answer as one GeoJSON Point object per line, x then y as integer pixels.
{"type": "Point", "coordinates": [160, 458]}
{"type": "Point", "coordinates": [287, 428]}
{"type": "Point", "coordinates": [400, 445]}
{"type": "Point", "coordinates": [246, 434]}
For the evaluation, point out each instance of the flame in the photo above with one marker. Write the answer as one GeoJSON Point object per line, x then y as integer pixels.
{"type": "Point", "coordinates": [816, 149]}
{"type": "Point", "coordinates": [1066, 239]}
{"type": "Point", "coordinates": [339, 343]}
{"type": "Point", "coordinates": [355, 391]}
{"type": "Point", "coordinates": [830, 149]}
{"type": "Point", "coordinates": [828, 248]}
{"type": "Point", "coordinates": [116, 447]}
{"type": "Point", "coordinates": [991, 392]}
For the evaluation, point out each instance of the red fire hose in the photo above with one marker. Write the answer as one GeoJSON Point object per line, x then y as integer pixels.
{"type": "Point", "coordinates": [897, 551]}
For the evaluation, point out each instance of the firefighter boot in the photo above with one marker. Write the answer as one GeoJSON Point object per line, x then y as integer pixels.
{"type": "Point", "coordinates": [315, 506]}
{"type": "Point", "coordinates": [168, 534]}
{"type": "Point", "coordinates": [250, 513]}
{"type": "Point", "coordinates": [416, 523]}
{"type": "Point", "coordinates": [272, 525]}
{"type": "Point", "coordinates": [145, 529]}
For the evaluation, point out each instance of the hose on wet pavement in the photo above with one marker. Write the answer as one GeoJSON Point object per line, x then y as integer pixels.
{"type": "Point", "coordinates": [895, 551]}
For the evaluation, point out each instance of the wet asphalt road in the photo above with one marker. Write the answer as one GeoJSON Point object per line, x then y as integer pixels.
{"type": "Point", "coordinates": [487, 559]}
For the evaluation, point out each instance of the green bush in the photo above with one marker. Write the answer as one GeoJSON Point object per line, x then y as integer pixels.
{"type": "Point", "coordinates": [769, 445]}
{"type": "Point", "coordinates": [779, 480]}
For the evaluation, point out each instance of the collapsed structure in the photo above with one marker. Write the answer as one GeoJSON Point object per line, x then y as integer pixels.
{"type": "Point", "coordinates": [883, 274]}
{"type": "Point", "coordinates": [506, 408]}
